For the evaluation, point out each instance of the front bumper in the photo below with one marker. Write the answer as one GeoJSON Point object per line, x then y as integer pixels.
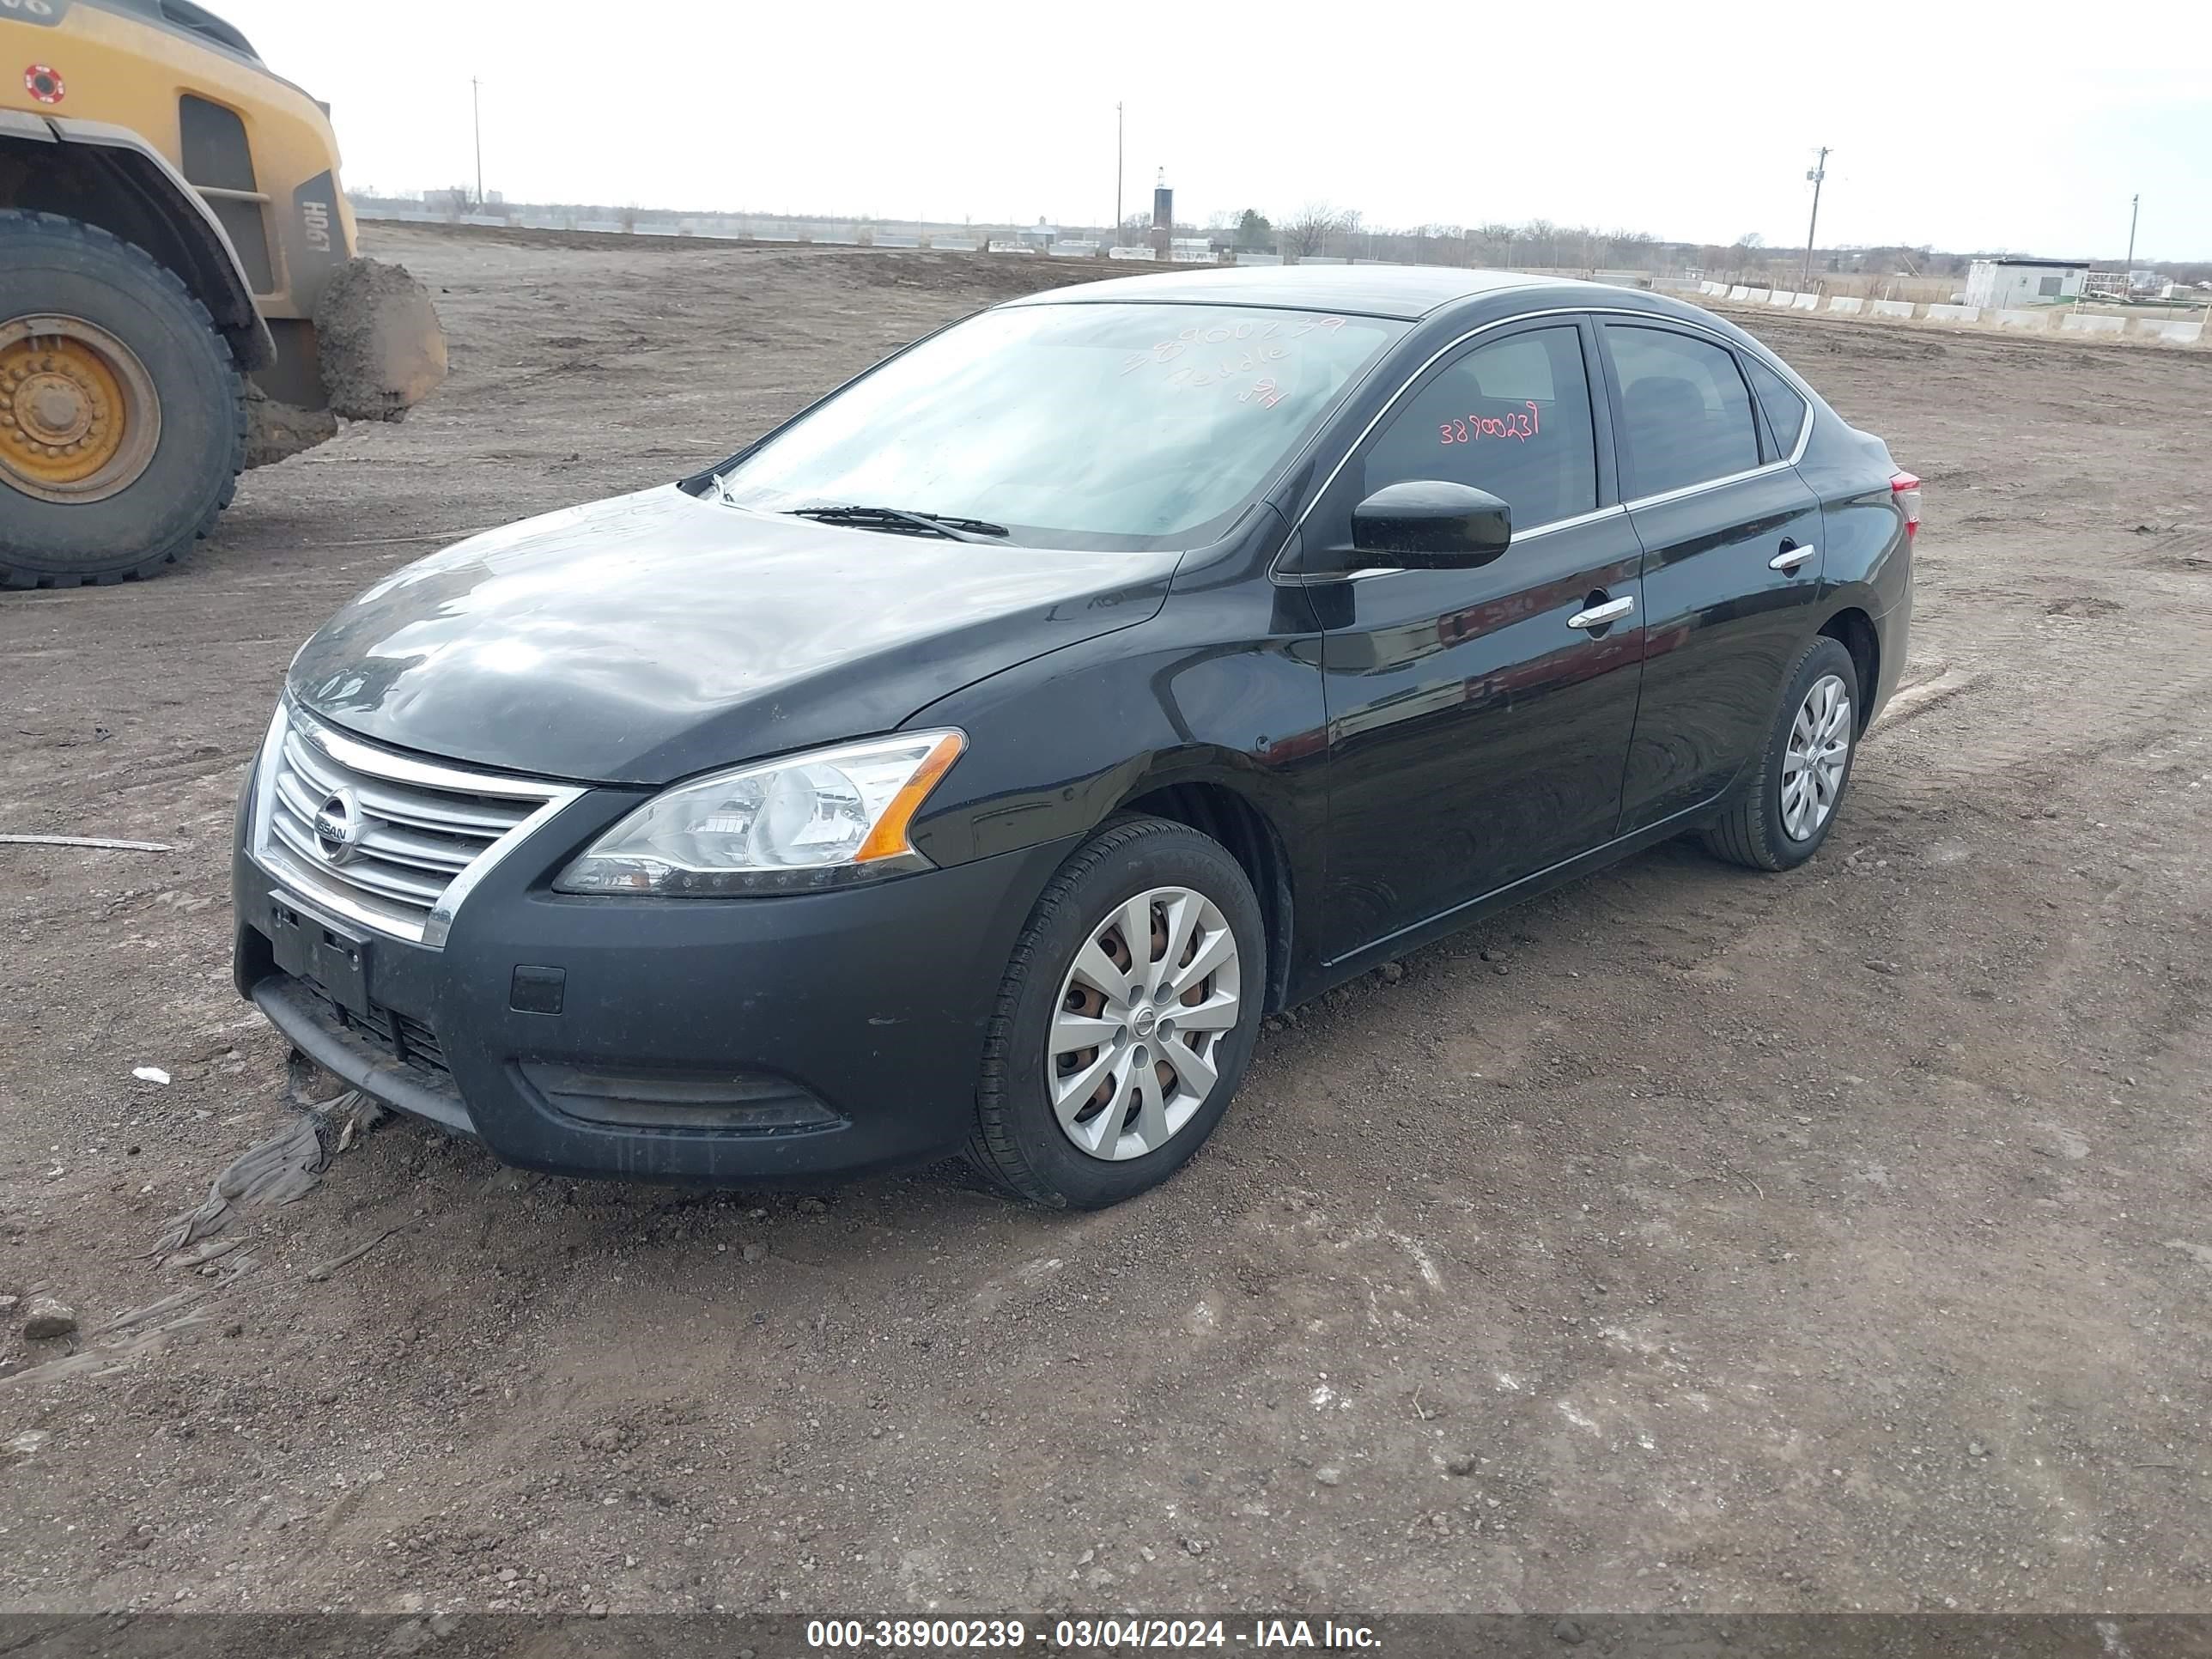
{"type": "Point", "coordinates": [873, 1000]}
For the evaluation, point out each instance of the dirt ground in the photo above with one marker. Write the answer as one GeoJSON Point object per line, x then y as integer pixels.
{"type": "Point", "coordinates": [1688, 1238]}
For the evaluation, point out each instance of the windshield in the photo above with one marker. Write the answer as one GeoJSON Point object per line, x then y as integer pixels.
{"type": "Point", "coordinates": [1072, 425]}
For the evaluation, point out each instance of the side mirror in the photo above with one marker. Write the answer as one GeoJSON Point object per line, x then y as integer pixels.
{"type": "Point", "coordinates": [1426, 524]}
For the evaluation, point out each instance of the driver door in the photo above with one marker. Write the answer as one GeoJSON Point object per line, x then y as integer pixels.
{"type": "Point", "coordinates": [1480, 719]}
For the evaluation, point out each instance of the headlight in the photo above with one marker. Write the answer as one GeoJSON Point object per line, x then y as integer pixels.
{"type": "Point", "coordinates": [827, 819]}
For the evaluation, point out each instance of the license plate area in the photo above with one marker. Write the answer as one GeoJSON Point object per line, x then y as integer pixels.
{"type": "Point", "coordinates": [307, 947]}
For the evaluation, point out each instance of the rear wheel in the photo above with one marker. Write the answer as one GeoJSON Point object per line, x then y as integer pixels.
{"type": "Point", "coordinates": [1125, 1019]}
{"type": "Point", "coordinates": [121, 414]}
{"type": "Point", "coordinates": [1780, 820]}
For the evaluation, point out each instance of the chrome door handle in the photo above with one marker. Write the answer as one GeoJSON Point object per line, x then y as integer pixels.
{"type": "Point", "coordinates": [1790, 557]}
{"type": "Point", "coordinates": [1603, 616]}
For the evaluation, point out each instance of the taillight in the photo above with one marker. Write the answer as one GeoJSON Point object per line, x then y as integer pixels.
{"type": "Point", "coordinates": [1904, 489]}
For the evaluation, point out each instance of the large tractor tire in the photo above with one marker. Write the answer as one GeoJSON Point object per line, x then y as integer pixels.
{"type": "Point", "coordinates": [122, 413]}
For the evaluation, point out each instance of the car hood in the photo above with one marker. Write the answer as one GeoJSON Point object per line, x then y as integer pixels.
{"type": "Point", "coordinates": [645, 638]}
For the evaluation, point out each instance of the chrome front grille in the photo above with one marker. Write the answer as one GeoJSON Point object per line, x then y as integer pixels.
{"type": "Point", "coordinates": [381, 838]}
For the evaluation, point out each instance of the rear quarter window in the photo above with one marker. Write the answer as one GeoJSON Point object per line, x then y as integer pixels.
{"type": "Point", "coordinates": [1785, 410]}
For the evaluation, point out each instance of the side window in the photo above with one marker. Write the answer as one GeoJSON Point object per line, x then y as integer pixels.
{"type": "Point", "coordinates": [2047, 286]}
{"type": "Point", "coordinates": [1785, 409]}
{"type": "Point", "coordinates": [1512, 417]}
{"type": "Point", "coordinates": [1686, 415]}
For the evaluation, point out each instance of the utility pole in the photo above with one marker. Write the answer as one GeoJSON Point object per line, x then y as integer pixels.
{"type": "Point", "coordinates": [1816, 172]}
{"type": "Point", "coordinates": [476, 113]}
{"type": "Point", "coordinates": [1114, 240]}
{"type": "Point", "coordinates": [2134, 206]}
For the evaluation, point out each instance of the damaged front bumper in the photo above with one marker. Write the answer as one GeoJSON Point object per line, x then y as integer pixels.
{"type": "Point", "coordinates": [747, 1041]}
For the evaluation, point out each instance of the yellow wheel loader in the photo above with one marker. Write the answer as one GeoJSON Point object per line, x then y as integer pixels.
{"type": "Point", "coordinates": [178, 294]}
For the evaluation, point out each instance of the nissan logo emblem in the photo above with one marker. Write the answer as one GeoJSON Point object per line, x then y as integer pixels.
{"type": "Point", "coordinates": [338, 827]}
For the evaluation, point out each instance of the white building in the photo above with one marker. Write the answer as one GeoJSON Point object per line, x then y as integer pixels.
{"type": "Point", "coordinates": [2004, 282]}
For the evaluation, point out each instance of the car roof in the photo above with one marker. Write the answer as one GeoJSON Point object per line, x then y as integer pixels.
{"type": "Point", "coordinates": [1408, 292]}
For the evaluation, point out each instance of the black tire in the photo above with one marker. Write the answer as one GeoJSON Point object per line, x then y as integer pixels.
{"type": "Point", "coordinates": [1018, 1143]}
{"type": "Point", "coordinates": [1750, 832]}
{"type": "Point", "coordinates": [50, 264]}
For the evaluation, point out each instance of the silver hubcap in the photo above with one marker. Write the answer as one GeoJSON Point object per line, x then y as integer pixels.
{"type": "Point", "coordinates": [1152, 991]}
{"type": "Point", "coordinates": [1813, 765]}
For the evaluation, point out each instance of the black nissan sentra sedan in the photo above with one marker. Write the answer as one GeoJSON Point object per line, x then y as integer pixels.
{"type": "Point", "coordinates": [972, 760]}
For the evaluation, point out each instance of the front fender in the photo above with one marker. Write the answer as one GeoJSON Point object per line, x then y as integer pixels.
{"type": "Point", "coordinates": [1222, 687]}
{"type": "Point", "coordinates": [206, 261]}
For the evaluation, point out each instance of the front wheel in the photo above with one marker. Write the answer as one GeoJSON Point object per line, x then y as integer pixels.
{"type": "Point", "coordinates": [1780, 820]}
{"type": "Point", "coordinates": [122, 418]}
{"type": "Point", "coordinates": [1125, 1019]}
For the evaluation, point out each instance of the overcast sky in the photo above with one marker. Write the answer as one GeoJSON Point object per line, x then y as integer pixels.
{"type": "Point", "coordinates": [1964, 127]}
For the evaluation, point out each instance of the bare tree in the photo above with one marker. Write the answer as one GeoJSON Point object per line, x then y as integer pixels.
{"type": "Point", "coordinates": [1493, 243]}
{"type": "Point", "coordinates": [1309, 230]}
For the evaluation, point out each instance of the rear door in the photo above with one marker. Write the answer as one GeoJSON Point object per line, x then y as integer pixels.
{"type": "Point", "coordinates": [1479, 719]}
{"type": "Point", "coordinates": [1731, 539]}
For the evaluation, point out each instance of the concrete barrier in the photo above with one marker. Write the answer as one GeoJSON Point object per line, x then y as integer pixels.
{"type": "Point", "coordinates": [2038, 320]}
{"type": "Point", "coordinates": [1250, 259]}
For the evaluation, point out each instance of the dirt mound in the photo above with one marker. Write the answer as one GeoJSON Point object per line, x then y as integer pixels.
{"type": "Point", "coordinates": [379, 337]}
{"type": "Point", "coordinates": [275, 430]}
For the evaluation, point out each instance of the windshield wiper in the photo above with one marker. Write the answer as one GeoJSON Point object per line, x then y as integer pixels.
{"type": "Point", "coordinates": [897, 518]}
